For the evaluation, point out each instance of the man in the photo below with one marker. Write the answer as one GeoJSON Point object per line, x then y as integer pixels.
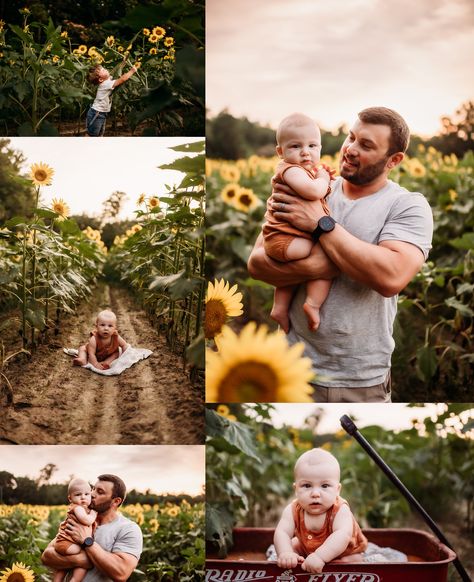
{"type": "Point", "coordinates": [375, 241]}
{"type": "Point", "coordinates": [114, 550]}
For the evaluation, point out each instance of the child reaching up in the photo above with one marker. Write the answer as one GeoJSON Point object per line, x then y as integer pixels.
{"type": "Point", "coordinates": [318, 525]}
{"type": "Point", "coordinates": [299, 146]}
{"type": "Point", "coordinates": [104, 343]}
{"type": "Point", "coordinates": [79, 496]}
{"type": "Point", "coordinates": [97, 114]}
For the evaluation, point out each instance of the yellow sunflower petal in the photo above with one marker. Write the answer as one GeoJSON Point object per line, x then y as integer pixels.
{"type": "Point", "coordinates": [221, 303]}
{"type": "Point", "coordinates": [257, 366]}
{"type": "Point", "coordinates": [17, 573]}
{"type": "Point", "coordinates": [41, 174]}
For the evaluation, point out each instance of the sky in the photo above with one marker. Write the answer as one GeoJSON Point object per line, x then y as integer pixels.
{"type": "Point", "coordinates": [397, 416]}
{"type": "Point", "coordinates": [88, 171]}
{"type": "Point", "coordinates": [160, 468]}
{"type": "Point", "coordinates": [330, 59]}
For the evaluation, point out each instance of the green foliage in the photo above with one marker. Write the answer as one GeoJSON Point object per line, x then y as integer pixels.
{"type": "Point", "coordinates": [250, 484]}
{"type": "Point", "coordinates": [163, 260]}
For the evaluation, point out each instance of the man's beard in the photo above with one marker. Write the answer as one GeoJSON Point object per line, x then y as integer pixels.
{"type": "Point", "coordinates": [366, 175]}
{"type": "Point", "coordinates": [102, 507]}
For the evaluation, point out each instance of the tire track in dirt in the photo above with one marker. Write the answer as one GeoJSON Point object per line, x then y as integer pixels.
{"type": "Point", "coordinates": [55, 403]}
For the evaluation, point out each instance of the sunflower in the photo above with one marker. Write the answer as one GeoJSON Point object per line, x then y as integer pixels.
{"type": "Point", "coordinates": [64, 34]}
{"type": "Point", "coordinates": [41, 174]}
{"type": "Point", "coordinates": [56, 59]}
{"type": "Point", "coordinates": [221, 302]}
{"type": "Point", "coordinates": [153, 51]}
{"type": "Point", "coordinates": [257, 366]}
{"type": "Point", "coordinates": [416, 168]}
{"type": "Point", "coordinates": [153, 38]}
{"type": "Point", "coordinates": [61, 208]}
{"type": "Point", "coordinates": [230, 173]}
{"type": "Point", "coordinates": [169, 41]}
{"type": "Point", "coordinates": [230, 193]}
{"type": "Point", "coordinates": [153, 202]}
{"type": "Point", "coordinates": [17, 573]}
{"type": "Point", "coordinates": [159, 31]}
{"type": "Point", "coordinates": [141, 199]}
{"type": "Point", "coordinates": [136, 228]}
{"type": "Point", "coordinates": [246, 200]}
{"type": "Point", "coordinates": [137, 65]}
{"type": "Point", "coordinates": [110, 40]}
{"type": "Point", "coordinates": [82, 49]}
{"type": "Point", "coordinates": [146, 32]}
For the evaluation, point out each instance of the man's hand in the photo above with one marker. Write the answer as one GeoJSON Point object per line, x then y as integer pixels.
{"type": "Point", "coordinates": [52, 559]}
{"type": "Point", "coordinates": [313, 564]}
{"type": "Point", "coordinates": [302, 214]}
{"type": "Point", "coordinates": [78, 531]}
{"type": "Point", "coordinates": [289, 560]}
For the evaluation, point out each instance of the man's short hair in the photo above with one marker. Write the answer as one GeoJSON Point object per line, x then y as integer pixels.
{"type": "Point", "coordinates": [399, 132]}
{"type": "Point", "coordinates": [119, 489]}
{"type": "Point", "coordinates": [93, 74]}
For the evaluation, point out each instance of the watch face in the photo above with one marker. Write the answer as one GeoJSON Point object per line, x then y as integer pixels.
{"type": "Point", "coordinates": [326, 223]}
{"type": "Point", "coordinates": [88, 542]}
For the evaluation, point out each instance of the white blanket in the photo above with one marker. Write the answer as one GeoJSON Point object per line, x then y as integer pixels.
{"type": "Point", "coordinates": [129, 357]}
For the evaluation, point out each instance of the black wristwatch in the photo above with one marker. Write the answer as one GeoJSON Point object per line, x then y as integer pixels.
{"type": "Point", "coordinates": [87, 543]}
{"type": "Point", "coordinates": [325, 224]}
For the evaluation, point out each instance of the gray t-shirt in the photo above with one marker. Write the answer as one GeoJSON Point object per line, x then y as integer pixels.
{"type": "Point", "coordinates": [103, 99]}
{"type": "Point", "coordinates": [119, 536]}
{"type": "Point", "coordinates": [354, 344]}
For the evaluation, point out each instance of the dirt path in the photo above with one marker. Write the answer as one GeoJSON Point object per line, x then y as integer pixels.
{"type": "Point", "coordinates": [153, 402]}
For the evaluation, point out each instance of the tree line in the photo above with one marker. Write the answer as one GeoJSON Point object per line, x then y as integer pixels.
{"type": "Point", "coordinates": [232, 138]}
{"type": "Point", "coordinates": [19, 489]}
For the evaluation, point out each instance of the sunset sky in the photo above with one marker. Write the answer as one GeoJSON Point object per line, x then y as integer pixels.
{"type": "Point", "coordinates": [88, 171]}
{"type": "Point", "coordinates": [331, 59]}
{"type": "Point", "coordinates": [161, 468]}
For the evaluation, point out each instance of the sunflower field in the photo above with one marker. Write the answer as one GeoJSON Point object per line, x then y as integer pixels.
{"type": "Point", "coordinates": [44, 68]}
{"type": "Point", "coordinates": [173, 544]}
{"type": "Point", "coordinates": [49, 266]}
{"type": "Point", "coordinates": [434, 331]}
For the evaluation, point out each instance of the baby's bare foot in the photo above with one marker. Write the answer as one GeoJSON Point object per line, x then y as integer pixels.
{"type": "Point", "coordinates": [312, 315]}
{"type": "Point", "coordinates": [79, 362]}
{"type": "Point", "coordinates": [281, 317]}
{"type": "Point", "coordinates": [105, 366]}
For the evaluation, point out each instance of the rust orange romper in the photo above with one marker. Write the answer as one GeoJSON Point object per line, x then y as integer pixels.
{"type": "Point", "coordinates": [63, 540]}
{"type": "Point", "coordinates": [311, 540]}
{"type": "Point", "coordinates": [278, 235]}
{"type": "Point", "coordinates": [103, 352]}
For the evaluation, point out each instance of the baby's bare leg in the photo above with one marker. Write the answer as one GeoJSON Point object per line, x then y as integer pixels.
{"type": "Point", "coordinates": [106, 363]}
{"type": "Point", "coordinates": [316, 293]}
{"type": "Point", "coordinates": [299, 248]}
{"type": "Point", "coordinates": [81, 359]}
{"type": "Point", "coordinates": [281, 306]}
{"type": "Point", "coordinates": [59, 575]}
{"type": "Point", "coordinates": [73, 549]}
{"type": "Point", "coordinates": [78, 574]}
{"type": "Point", "coordinates": [352, 558]}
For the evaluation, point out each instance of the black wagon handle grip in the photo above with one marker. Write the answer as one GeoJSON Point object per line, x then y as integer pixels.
{"type": "Point", "coordinates": [349, 426]}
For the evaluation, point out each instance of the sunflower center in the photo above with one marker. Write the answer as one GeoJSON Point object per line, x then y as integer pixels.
{"type": "Point", "coordinates": [216, 316]}
{"type": "Point", "coordinates": [41, 175]}
{"type": "Point", "coordinates": [245, 200]}
{"type": "Point", "coordinates": [249, 382]}
{"type": "Point", "coordinates": [16, 577]}
{"type": "Point", "coordinates": [231, 193]}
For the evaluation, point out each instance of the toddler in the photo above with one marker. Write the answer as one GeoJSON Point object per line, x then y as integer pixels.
{"type": "Point", "coordinates": [104, 343]}
{"type": "Point", "coordinates": [299, 146]}
{"type": "Point", "coordinates": [97, 114]}
{"type": "Point", "coordinates": [79, 496]}
{"type": "Point", "coordinates": [318, 525]}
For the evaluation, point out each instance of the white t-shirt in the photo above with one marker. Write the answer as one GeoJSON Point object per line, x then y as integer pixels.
{"type": "Point", "coordinates": [103, 99]}
{"type": "Point", "coordinates": [354, 343]}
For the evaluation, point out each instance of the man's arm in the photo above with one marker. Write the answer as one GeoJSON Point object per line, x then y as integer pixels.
{"type": "Point", "coordinates": [118, 566]}
{"type": "Point", "coordinates": [387, 267]}
{"type": "Point", "coordinates": [315, 266]}
{"type": "Point", "coordinates": [52, 559]}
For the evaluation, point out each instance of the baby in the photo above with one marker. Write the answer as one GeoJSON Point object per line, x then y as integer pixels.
{"type": "Point", "coordinates": [104, 343]}
{"type": "Point", "coordinates": [79, 496]}
{"type": "Point", "coordinates": [318, 525]}
{"type": "Point", "coordinates": [299, 146]}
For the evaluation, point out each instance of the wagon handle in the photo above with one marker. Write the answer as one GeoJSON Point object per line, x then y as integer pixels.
{"type": "Point", "coordinates": [348, 425]}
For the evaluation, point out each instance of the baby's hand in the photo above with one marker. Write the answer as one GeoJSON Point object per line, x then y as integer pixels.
{"type": "Point", "coordinates": [289, 559]}
{"type": "Point", "coordinates": [105, 366]}
{"type": "Point", "coordinates": [323, 173]}
{"type": "Point", "coordinates": [313, 564]}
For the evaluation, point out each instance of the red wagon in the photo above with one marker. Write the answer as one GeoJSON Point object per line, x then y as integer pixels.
{"type": "Point", "coordinates": [428, 560]}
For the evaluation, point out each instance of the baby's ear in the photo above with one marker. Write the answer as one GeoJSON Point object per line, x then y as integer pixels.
{"type": "Point", "coordinates": [279, 151]}
{"type": "Point", "coordinates": [339, 488]}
